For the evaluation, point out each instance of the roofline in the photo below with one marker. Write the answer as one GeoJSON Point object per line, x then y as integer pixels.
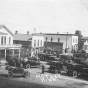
{"type": "Point", "coordinates": [3, 26]}
{"type": "Point", "coordinates": [54, 42]}
{"type": "Point", "coordinates": [23, 40]}
{"type": "Point", "coordinates": [57, 34]}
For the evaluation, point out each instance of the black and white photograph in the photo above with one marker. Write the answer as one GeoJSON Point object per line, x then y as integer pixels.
{"type": "Point", "coordinates": [43, 44]}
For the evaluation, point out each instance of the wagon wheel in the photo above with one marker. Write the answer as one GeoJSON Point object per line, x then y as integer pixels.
{"type": "Point", "coordinates": [27, 75]}
{"type": "Point", "coordinates": [28, 66]}
{"type": "Point", "coordinates": [10, 74]}
{"type": "Point", "coordinates": [56, 71]}
{"type": "Point", "coordinates": [75, 74]}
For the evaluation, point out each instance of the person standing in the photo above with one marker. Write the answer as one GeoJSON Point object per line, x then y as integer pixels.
{"type": "Point", "coordinates": [43, 68]}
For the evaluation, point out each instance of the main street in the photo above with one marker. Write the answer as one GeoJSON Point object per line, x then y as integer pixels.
{"type": "Point", "coordinates": [34, 81]}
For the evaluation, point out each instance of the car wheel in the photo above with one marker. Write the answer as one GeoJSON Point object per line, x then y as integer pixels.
{"type": "Point", "coordinates": [27, 66]}
{"type": "Point", "coordinates": [56, 71]}
{"type": "Point", "coordinates": [10, 74]}
{"type": "Point", "coordinates": [27, 75]}
{"type": "Point", "coordinates": [75, 74]}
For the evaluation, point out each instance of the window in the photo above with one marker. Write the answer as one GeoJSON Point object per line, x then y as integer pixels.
{"type": "Point", "coordinates": [58, 39]}
{"type": "Point", "coordinates": [4, 40]}
{"type": "Point", "coordinates": [38, 42]}
{"type": "Point", "coordinates": [41, 42]}
{"type": "Point", "coordinates": [34, 42]}
{"type": "Point", "coordinates": [51, 39]}
{"type": "Point", "coordinates": [9, 40]}
{"type": "Point", "coordinates": [46, 38]}
{"type": "Point", "coordinates": [1, 39]}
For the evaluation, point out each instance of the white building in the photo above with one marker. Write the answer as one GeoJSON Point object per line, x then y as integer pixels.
{"type": "Point", "coordinates": [33, 42]}
{"type": "Point", "coordinates": [85, 46]}
{"type": "Point", "coordinates": [69, 40]}
{"type": "Point", "coordinates": [6, 42]}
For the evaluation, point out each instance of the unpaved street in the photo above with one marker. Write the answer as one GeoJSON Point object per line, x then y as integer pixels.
{"type": "Point", "coordinates": [35, 81]}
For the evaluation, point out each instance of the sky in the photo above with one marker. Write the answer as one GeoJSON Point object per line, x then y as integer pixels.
{"type": "Point", "coordinates": [46, 16]}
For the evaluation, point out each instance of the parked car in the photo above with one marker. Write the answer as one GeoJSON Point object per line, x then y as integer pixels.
{"type": "Point", "coordinates": [31, 62]}
{"type": "Point", "coordinates": [52, 58]}
{"type": "Point", "coordinates": [15, 71]}
{"type": "Point", "coordinates": [74, 68]}
{"type": "Point", "coordinates": [42, 56]}
{"type": "Point", "coordinates": [56, 67]}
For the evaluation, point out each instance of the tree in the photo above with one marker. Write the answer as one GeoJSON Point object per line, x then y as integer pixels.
{"type": "Point", "coordinates": [80, 41]}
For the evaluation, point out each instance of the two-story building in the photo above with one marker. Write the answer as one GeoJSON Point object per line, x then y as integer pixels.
{"type": "Point", "coordinates": [85, 46]}
{"type": "Point", "coordinates": [31, 43]}
{"type": "Point", "coordinates": [69, 41]}
{"type": "Point", "coordinates": [6, 42]}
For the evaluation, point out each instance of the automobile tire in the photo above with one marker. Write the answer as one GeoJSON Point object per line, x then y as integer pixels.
{"type": "Point", "coordinates": [56, 71]}
{"type": "Point", "coordinates": [75, 74]}
{"type": "Point", "coordinates": [10, 74]}
{"type": "Point", "coordinates": [27, 66]}
{"type": "Point", "coordinates": [27, 75]}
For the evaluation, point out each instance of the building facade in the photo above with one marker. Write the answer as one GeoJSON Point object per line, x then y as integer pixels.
{"type": "Point", "coordinates": [69, 41]}
{"type": "Point", "coordinates": [85, 46]}
{"type": "Point", "coordinates": [31, 43]}
{"type": "Point", "coordinates": [6, 42]}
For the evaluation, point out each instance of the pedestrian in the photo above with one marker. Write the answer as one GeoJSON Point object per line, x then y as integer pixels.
{"type": "Point", "coordinates": [43, 68]}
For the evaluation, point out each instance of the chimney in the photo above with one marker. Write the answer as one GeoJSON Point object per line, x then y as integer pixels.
{"type": "Point", "coordinates": [16, 32]}
{"type": "Point", "coordinates": [27, 32]}
{"type": "Point", "coordinates": [57, 32]}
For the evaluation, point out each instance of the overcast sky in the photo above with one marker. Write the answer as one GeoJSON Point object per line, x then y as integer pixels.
{"type": "Point", "coordinates": [48, 16]}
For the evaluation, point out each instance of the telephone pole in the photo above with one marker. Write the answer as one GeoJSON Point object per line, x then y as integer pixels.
{"type": "Point", "coordinates": [66, 39]}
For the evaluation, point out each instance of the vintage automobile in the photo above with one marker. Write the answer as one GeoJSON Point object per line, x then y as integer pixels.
{"type": "Point", "coordinates": [56, 67]}
{"type": "Point", "coordinates": [52, 58]}
{"type": "Point", "coordinates": [73, 68]}
{"type": "Point", "coordinates": [42, 56]}
{"type": "Point", "coordinates": [31, 62]}
{"type": "Point", "coordinates": [15, 71]}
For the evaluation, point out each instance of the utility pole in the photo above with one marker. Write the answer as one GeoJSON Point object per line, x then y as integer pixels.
{"type": "Point", "coordinates": [66, 39]}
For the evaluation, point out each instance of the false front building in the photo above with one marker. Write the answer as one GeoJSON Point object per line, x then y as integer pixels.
{"type": "Point", "coordinates": [69, 41]}
{"type": "Point", "coordinates": [31, 43]}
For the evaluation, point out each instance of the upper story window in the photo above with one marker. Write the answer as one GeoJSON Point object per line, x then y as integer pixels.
{"type": "Point", "coordinates": [58, 39]}
{"type": "Point", "coordinates": [3, 39]}
{"type": "Point", "coordinates": [9, 40]}
{"type": "Point", "coordinates": [38, 42]}
{"type": "Point", "coordinates": [34, 42]}
{"type": "Point", "coordinates": [46, 38]}
{"type": "Point", "coordinates": [41, 42]}
{"type": "Point", "coordinates": [51, 39]}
